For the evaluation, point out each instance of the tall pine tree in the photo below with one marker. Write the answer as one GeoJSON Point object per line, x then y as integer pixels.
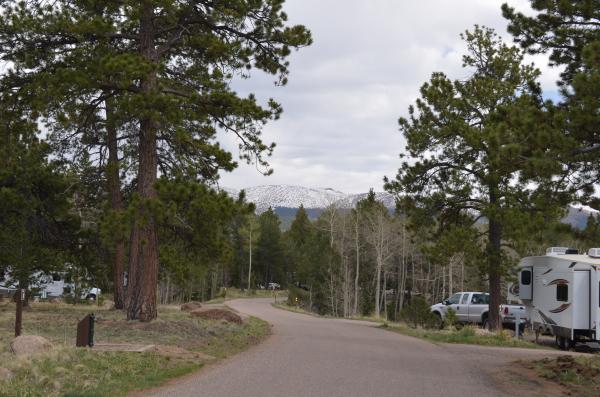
{"type": "Point", "coordinates": [483, 147]}
{"type": "Point", "coordinates": [166, 68]}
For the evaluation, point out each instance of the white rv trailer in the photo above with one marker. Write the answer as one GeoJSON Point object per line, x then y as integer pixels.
{"type": "Point", "coordinates": [561, 293]}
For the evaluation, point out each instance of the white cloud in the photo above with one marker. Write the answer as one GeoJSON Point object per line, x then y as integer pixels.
{"type": "Point", "coordinates": [347, 91]}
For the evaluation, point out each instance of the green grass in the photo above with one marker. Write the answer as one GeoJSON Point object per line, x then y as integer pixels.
{"type": "Point", "coordinates": [69, 371]}
{"type": "Point", "coordinates": [465, 335]}
{"type": "Point", "coordinates": [82, 372]}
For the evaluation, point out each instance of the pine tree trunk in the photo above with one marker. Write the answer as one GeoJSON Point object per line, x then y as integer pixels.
{"type": "Point", "coordinates": [357, 269]}
{"type": "Point", "coordinates": [143, 258]}
{"type": "Point", "coordinates": [116, 203]}
{"type": "Point", "coordinates": [495, 240]}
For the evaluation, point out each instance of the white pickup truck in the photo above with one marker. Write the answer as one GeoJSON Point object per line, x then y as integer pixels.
{"type": "Point", "coordinates": [473, 307]}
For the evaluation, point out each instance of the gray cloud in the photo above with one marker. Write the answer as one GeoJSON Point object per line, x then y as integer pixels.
{"type": "Point", "coordinates": [346, 91]}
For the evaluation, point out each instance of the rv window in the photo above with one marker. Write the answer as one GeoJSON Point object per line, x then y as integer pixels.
{"type": "Point", "coordinates": [55, 277]}
{"type": "Point", "coordinates": [526, 277]}
{"type": "Point", "coordinates": [562, 292]}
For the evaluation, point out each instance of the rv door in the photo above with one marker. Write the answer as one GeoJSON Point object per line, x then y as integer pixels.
{"type": "Point", "coordinates": [526, 283]}
{"type": "Point", "coordinates": [581, 300]}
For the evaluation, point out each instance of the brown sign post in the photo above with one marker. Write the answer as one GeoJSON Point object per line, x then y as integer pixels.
{"type": "Point", "coordinates": [85, 331]}
{"type": "Point", "coordinates": [20, 298]}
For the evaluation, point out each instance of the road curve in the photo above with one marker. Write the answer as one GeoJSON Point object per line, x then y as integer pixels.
{"type": "Point", "coordinates": [310, 356]}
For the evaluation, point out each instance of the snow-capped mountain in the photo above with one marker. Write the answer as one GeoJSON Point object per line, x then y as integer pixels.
{"type": "Point", "coordinates": [290, 196]}
{"type": "Point", "coordinates": [577, 215]}
{"type": "Point", "coordinates": [351, 200]}
{"type": "Point", "coordinates": [286, 199]}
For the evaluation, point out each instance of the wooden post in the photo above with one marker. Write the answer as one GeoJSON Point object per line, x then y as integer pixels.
{"type": "Point", "coordinates": [19, 315]}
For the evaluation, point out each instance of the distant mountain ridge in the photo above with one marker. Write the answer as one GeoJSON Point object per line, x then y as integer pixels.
{"type": "Point", "coordinates": [291, 196]}
{"type": "Point", "coordinates": [286, 199]}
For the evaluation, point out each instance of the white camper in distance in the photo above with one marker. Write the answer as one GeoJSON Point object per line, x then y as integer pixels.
{"type": "Point", "coordinates": [561, 293]}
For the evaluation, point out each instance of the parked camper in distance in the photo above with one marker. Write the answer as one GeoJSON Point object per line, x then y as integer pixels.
{"type": "Point", "coordinates": [561, 293]}
{"type": "Point", "coordinates": [49, 285]}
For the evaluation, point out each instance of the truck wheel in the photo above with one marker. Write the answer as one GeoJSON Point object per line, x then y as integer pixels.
{"type": "Point", "coordinates": [485, 323]}
{"type": "Point", "coordinates": [439, 323]}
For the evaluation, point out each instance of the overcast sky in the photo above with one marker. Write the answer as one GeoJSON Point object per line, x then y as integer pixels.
{"type": "Point", "coordinates": [346, 92]}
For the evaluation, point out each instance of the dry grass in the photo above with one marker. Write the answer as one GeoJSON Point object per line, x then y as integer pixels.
{"type": "Point", "coordinates": [67, 371]}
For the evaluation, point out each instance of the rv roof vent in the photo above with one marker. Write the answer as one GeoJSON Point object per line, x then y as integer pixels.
{"type": "Point", "coordinates": [594, 252]}
{"type": "Point", "coordinates": [556, 250]}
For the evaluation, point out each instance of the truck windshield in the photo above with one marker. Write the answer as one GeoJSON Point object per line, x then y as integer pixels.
{"type": "Point", "coordinates": [454, 299]}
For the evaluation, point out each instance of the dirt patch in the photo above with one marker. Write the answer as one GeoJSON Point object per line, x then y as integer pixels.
{"type": "Point", "coordinates": [217, 314]}
{"type": "Point", "coordinates": [552, 377]}
{"type": "Point", "coordinates": [178, 352]}
{"type": "Point", "coordinates": [191, 306]}
{"type": "Point", "coordinates": [520, 379]}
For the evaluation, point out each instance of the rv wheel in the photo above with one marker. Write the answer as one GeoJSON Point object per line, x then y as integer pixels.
{"type": "Point", "coordinates": [564, 343]}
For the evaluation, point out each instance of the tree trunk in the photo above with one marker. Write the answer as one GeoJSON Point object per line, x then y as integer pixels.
{"type": "Point", "coordinates": [116, 203]}
{"type": "Point", "coordinates": [143, 258]}
{"type": "Point", "coordinates": [494, 258]}
{"type": "Point", "coordinates": [357, 268]}
{"type": "Point", "coordinates": [378, 287]}
{"type": "Point", "coordinates": [250, 260]}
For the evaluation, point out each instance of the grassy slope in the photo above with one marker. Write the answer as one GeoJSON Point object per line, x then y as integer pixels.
{"type": "Point", "coordinates": [67, 371]}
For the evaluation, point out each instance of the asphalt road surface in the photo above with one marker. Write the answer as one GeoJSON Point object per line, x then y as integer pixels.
{"type": "Point", "coordinates": [310, 356]}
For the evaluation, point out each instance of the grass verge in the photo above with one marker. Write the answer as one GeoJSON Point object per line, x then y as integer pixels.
{"type": "Point", "coordinates": [69, 371]}
{"type": "Point", "coordinates": [296, 309]}
{"type": "Point", "coordinates": [466, 335]}
{"type": "Point", "coordinates": [579, 375]}
{"type": "Point", "coordinates": [234, 293]}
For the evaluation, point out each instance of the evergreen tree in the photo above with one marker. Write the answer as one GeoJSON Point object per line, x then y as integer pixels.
{"type": "Point", "coordinates": [297, 239]}
{"type": "Point", "coordinates": [269, 250]}
{"type": "Point", "coordinates": [38, 231]}
{"type": "Point", "coordinates": [483, 147]}
{"type": "Point", "coordinates": [569, 30]}
{"type": "Point", "coordinates": [166, 68]}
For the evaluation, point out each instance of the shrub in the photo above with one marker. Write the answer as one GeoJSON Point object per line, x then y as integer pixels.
{"type": "Point", "coordinates": [418, 314]}
{"type": "Point", "coordinates": [298, 297]}
{"type": "Point", "coordinates": [451, 319]}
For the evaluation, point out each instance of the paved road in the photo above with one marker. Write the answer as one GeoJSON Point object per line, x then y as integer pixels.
{"type": "Point", "coordinates": [310, 356]}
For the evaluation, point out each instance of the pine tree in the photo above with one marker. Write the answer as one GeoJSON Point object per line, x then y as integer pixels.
{"type": "Point", "coordinates": [569, 30]}
{"type": "Point", "coordinates": [166, 67]}
{"type": "Point", "coordinates": [38, 230]}
{"type": "Point", "coordinates": [269, 250]}
{"type": "Point", "coordinates": [483, 147]}
{"type": "Point", "coordinates": [297, 239]}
